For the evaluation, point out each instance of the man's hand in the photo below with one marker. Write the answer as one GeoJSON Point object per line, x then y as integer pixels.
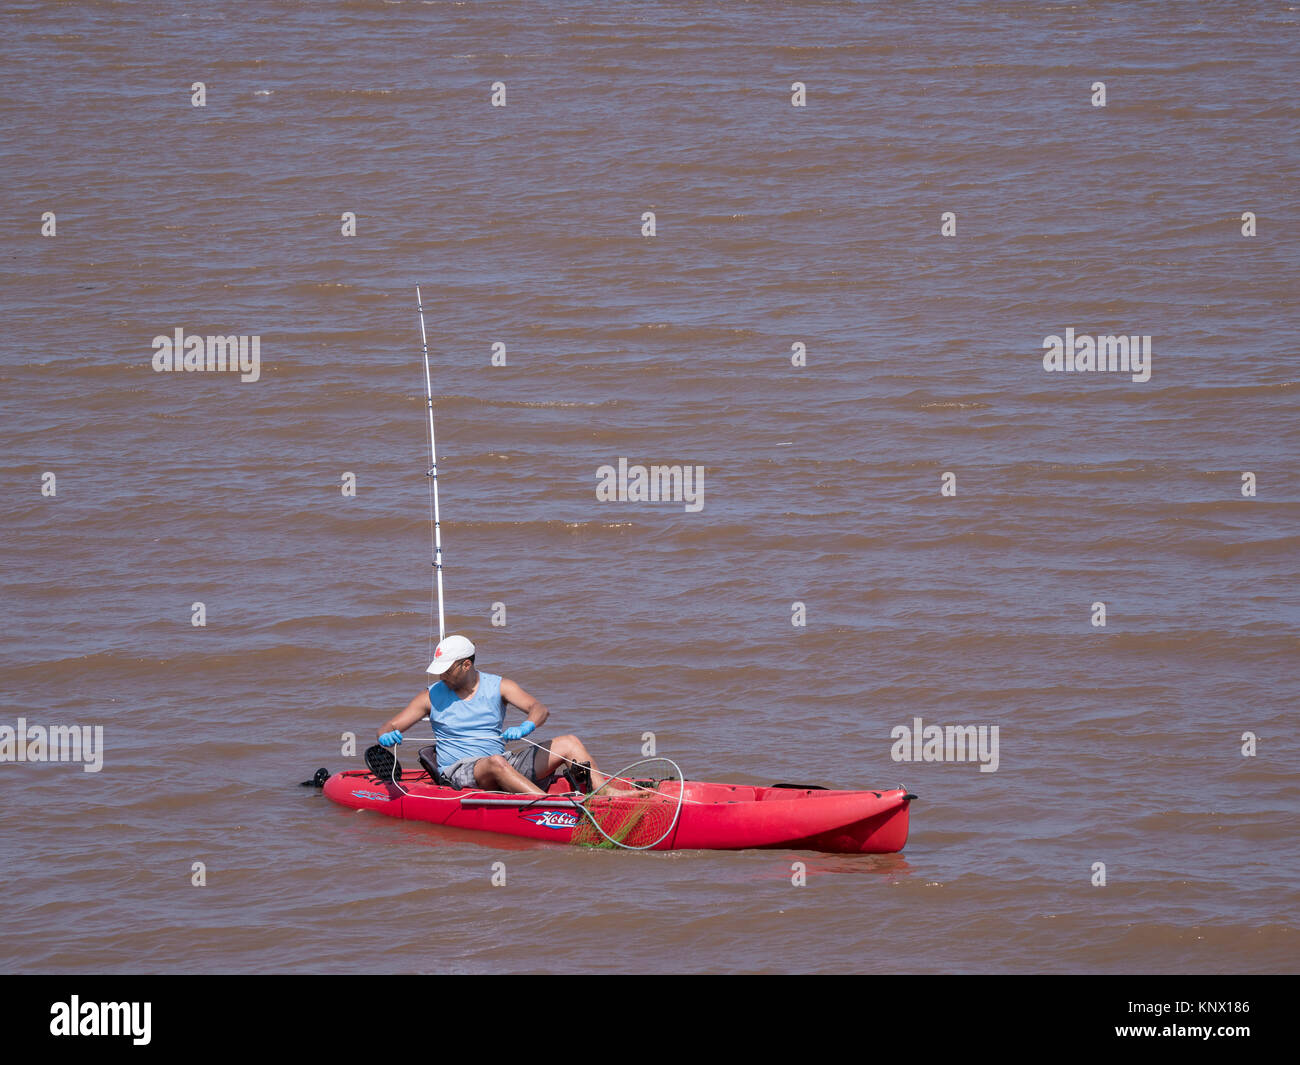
{"type": "Point", "coordinates": [518, 732]}
{"type": "Point", "coordinates": [391, 739]}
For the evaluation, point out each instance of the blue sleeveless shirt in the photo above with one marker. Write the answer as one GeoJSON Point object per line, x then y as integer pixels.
{"type": "Point", "coordinates": [467, 728]}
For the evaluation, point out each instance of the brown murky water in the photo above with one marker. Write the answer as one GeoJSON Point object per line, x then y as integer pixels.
{"type": "Point", "coordinates": [776, 225]}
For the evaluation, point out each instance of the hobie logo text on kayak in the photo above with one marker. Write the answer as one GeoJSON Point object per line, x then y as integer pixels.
{"type": "Point", "coordinates": [58, 743]}
{"type": "Point", "coordinates": [210, 354]}
{"type": "Point", "coordinates": [102, 1018]}
{"type": "Point", "coordinates": [551, 818]}
{"type": "Point", "coordinates": [950, 743]}
{"type": "Point", "coordinates": [653, 484]}
{"type": "Point", "coordinates": [1108, 354]}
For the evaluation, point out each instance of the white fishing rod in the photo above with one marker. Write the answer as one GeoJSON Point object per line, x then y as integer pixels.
{"type": "Point", "coordinates": [433, 470]}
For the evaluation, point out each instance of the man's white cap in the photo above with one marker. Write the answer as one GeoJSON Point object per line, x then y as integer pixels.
{"type": "Point", "coordinates": [449, 652]}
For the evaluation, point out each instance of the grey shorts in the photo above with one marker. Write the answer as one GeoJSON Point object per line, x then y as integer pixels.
{"type": "Point", "coordinates": [460, 775]}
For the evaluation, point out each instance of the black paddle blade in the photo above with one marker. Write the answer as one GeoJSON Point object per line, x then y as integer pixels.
{"type": "Point", "coordinates": [317, 781]}
{"type": "Point", "coordinates": [380, 761]}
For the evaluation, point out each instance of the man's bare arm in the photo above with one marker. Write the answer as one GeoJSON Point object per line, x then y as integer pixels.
{"type": "Point", "coordinates": [516, 696]}
{"type": "Point", "coordinates": [415, 709]}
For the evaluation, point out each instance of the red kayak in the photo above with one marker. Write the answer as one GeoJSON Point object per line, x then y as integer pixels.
{"type": "Point", "coordinates": [661, 815]}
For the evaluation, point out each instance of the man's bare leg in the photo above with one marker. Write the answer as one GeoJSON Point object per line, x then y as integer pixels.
{"type": "Point", "coordinates": [497, 774]}
{"type": "Point", "coordinates": [565, 750]}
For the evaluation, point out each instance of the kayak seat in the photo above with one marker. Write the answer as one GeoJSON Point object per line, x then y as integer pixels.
{"type": "Point", "coordinates": [429, 760]}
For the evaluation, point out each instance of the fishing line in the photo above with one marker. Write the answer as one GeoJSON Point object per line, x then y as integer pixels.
{"type": "Point", "coordinates": [544, 796]}
{"type": "Point", "coordinates": [392, 779]}
{"type": "Point", "coordinates": [614, 776]}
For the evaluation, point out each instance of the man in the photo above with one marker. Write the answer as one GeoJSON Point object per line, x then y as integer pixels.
{"type": "Point", "coordinates": [467, 708]}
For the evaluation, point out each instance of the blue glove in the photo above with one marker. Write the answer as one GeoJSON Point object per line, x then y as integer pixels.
{"type": "Point", "coordinates": [391, 739]}
{"type": "Point", "coordinates": [518, 732]}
